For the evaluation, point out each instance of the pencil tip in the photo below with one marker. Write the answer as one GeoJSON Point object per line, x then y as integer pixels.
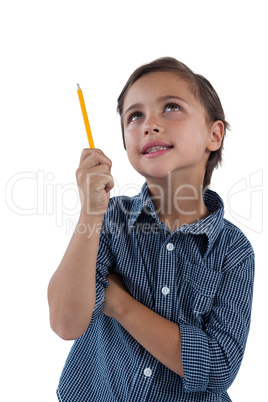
{"type": "Point", "coordinates": [78, 87]}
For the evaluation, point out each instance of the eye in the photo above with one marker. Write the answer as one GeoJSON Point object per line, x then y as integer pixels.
{"type": "Point", "coordinates": [172, 107]}
{"type": "Point", "coordinates": [135, 116]}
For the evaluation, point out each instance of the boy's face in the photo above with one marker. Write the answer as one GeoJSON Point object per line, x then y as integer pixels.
{"type": "Point", "coordinates": [160, 107]}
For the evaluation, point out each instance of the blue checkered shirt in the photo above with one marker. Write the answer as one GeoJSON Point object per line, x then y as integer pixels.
{"type": "Point", "coordinates": [199, 276]}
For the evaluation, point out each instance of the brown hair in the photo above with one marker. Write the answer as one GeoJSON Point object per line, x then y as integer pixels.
{"type": "Point", "coordinates": [200, 88]}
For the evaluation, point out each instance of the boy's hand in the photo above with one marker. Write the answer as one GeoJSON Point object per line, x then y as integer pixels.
{"type": "Point", "coordinates": [94, 181]}
{"type": "Point", "coordinates": [116, 296]}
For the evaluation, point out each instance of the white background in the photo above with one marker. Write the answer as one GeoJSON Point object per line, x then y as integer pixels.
{"type": "Point", "coordinates": [46, 48]}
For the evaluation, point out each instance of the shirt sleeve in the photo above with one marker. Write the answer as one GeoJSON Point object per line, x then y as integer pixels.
{"type": "Point", "coordinates": [211, 356]}
{"type": "Point", "coordinates": [105, 262]}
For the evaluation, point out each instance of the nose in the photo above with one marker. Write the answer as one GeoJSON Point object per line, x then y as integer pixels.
{"type": "Point", "coordinates": [148, 131]}
{"type": "Point", "coordinates": [151, 125]}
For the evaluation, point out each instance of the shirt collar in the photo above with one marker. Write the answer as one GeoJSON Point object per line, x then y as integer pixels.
{"type": "Point", "coordinates": [210, 226]}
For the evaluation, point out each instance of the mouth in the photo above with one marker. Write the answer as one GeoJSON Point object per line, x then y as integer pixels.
{"type": "Point", "coordinates": [156, 151]}
{"type": "Point", "coordinates": [154, 147]}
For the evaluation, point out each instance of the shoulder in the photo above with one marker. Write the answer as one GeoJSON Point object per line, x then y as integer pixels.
{"type": "Point", "coordinates": [124, 205]}
{"type": "Point", "coordinates": [236, 236]}
{"type": "Point", "coordinates": [239, 248]}
{"type": "Point", "coordinates": [121, 211]}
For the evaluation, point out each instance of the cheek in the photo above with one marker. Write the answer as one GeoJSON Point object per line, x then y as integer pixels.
{"type": "Point", "coordinates": [133, 159]}
{"type": "Point", "coordinates": [130, 147]}
{"type": "Point", "coordinates": [130, 140]}
{"type": "Point", "coordinates": [192, 132]}
{"type": "Point", "coordinates": [191, 141]}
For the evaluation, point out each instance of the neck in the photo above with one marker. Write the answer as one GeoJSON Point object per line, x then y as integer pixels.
{"type": "Point", "coordinates": [178, 202]}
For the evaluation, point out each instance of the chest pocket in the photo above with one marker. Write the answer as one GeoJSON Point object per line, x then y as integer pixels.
{"type": "Point", "coordinates": [196, 289]}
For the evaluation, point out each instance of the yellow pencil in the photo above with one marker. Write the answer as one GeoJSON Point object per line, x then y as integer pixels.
{"type": "Point", "coordinates": [84, 113]}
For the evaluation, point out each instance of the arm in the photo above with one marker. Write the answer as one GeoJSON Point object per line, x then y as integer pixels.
{"type": "Point", "coordinates": [208, 358]}
{"type": "Point", "coordinates": [157, 335]}
{"type": "Point", "coordinates": [72, 288]}
{"type": "Point", "coordinates": [212, 355]}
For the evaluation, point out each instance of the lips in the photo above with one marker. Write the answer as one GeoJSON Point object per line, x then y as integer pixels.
{"type": "Point", "coordinates": [153, 144]}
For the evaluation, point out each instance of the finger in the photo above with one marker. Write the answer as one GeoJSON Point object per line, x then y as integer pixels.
{"type": "Point", "coordinates": [84, 155]}
{"type": "Point", "coordinates": [96, 169]}
{"type": "Point", "coordinates": [88, 151]}
{"type": "Point", "coordinates": [103, 181]}
{"type": "Point", "coordinates": [110, 184]}
{"type": "Point", "coordinates": [94, 157]}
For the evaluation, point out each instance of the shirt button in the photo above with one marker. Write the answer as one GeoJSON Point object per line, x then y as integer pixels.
{"type": "Point", "coordinates": [165, 290]}
{"type": "Point", "coordinates": [147, 372]}
{"type": "Point", "coordinates": [170, 246]}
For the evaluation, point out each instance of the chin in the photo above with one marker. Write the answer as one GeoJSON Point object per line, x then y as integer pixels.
{"type": "Point", "coordinates": [156, 174]}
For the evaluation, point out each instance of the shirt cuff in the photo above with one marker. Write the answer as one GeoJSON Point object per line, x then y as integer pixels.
{"type": "Point", "coordinates": [195, 358]}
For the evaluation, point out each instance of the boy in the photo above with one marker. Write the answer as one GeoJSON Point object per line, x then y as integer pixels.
{"type": "Point", "coordinates": [160, 301]}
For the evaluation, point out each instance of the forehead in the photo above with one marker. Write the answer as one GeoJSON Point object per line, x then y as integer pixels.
{"type": "Point", "coordinates": [157, 84]}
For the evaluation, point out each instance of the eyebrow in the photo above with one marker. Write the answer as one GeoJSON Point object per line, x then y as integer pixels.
{"type": "Point", "coordinates": [161, 98]}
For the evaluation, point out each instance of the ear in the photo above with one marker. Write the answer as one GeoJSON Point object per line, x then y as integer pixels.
{"type": "Point", "coordinates": [216, 135]}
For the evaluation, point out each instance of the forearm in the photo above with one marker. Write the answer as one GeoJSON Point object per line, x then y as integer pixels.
{"type": "Point", "coordinates": [157, 335]}
{"type": "Point", "coordinates": [72, 288]}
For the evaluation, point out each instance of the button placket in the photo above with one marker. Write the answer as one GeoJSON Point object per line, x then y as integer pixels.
{"type": "Point", "coordinates": [165, 289]}
{"type": "Point", "coordinates": [147, 371]}
{"type": "Point", "coordinates": [166, 280]}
